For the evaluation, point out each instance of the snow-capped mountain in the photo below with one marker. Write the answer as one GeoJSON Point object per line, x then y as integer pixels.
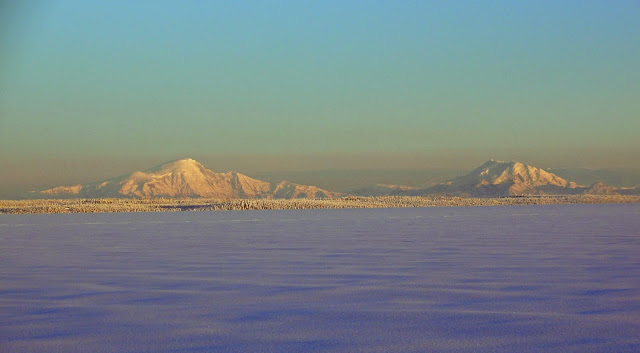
{"type": "Point", "coordinates": [187, 178]}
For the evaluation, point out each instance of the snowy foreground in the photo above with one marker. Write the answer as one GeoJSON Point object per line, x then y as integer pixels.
{"type": "Point", "coordinates": [552, 278]}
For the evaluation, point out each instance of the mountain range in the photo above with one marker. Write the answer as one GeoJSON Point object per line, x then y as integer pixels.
{"type": "Point", "coordinates": [187, 178]}
{"type": "Point", "coordinates": [500, 179]}
{"type": "Point", "coordinates": [497, 178]}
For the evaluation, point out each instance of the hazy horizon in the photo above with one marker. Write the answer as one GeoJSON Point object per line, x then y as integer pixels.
{"type": "Point", "coordinates": [91, 90]}
{"type": "Point", "coordinates": [342, 173]}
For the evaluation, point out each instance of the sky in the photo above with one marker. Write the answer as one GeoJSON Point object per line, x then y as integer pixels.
{"type": "Point", "coordinates": [90, 89]}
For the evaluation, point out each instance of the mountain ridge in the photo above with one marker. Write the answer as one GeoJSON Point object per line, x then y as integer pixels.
{"type": "Point", "coordinates": [183, 178]}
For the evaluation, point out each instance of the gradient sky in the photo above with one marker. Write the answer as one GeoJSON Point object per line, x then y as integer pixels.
{"type": "Point", "coordinates": [156, 80]}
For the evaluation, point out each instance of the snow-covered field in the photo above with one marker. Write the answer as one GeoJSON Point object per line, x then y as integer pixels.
{"type": "Point", "coordinates": [555, 278]}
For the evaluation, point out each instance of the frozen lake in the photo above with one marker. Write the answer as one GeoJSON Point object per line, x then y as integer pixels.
{"type": "Point", "coordinates": [560, 278]}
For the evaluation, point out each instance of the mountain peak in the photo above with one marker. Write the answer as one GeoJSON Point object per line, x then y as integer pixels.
{"type": "Point", "coordinates": [188, 178]}
{"type": "Point", "coordinates": [499, 178]}
{"type": "Point", "coordinates": [493, 163]}
{"type": "Point", "coordinates": [184, 162]}
{"type": "Point", "coordinates": [178, 165]}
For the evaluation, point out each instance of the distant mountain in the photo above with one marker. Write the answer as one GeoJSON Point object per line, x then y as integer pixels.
{"type": "Point", "coordinates": [353, 181]}
{"type": "Point", "coordinates": [382, 190]}
{"type": "Point", "coordinates": [500, 179]}
{"type": "Point", "coordinates": [186, 178]}
{"type": "Point", "coordinates": [599, 188]}
{"type": "Point", "coordinates": [619, 177]}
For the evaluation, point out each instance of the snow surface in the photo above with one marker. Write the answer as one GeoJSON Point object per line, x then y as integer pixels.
{"type": "Point", "coordinates": [559, 278]}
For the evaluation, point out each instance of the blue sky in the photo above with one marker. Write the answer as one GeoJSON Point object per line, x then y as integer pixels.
{"type": "Point", "coordinates": [120, 80]}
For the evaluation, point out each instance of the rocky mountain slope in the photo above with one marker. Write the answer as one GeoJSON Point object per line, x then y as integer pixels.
{"type": "Point", "coordinates": [187, 178]}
